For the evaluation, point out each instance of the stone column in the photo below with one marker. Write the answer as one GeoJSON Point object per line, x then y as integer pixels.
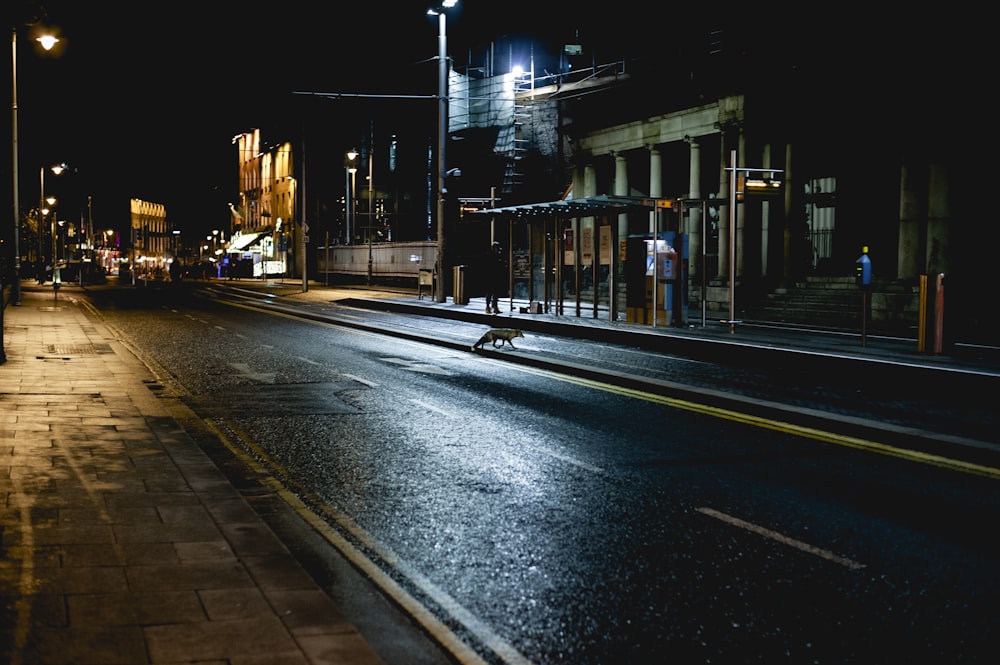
{"type": "Point", "coordinates": [655, 182]}
{"type": "Point", "coordinates": [741, 162]}
{"type": "Point", "coordinates": [693, 228]}
{"type": "Point", "coordinates": [939, 220]}
{"type": "Point", "coordinates": [912, 220]}
{"type": "Point", "coordinates": [621, 189]}
{"type": "Point", "coordinates": [723, 271]}
{"type": "Point", "coordinates": [790, 202]}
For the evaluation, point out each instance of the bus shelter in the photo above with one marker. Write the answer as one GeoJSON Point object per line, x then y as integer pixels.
{"type": "Point", "coordinates": [585, 253]}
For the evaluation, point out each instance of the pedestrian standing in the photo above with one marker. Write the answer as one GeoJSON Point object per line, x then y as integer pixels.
{"type": "Point", "coordinates": [496, 277]}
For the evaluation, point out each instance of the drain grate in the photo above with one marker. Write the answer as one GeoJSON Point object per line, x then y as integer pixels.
{"type": "Point", "coordinates": [71, 349]}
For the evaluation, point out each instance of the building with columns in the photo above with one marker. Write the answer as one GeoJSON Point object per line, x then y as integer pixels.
{"type": "Point", "coordinates": [879, 174]}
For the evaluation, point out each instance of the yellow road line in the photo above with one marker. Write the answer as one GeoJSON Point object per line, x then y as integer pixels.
{"type": "Point", "coordinates": [778, 426]}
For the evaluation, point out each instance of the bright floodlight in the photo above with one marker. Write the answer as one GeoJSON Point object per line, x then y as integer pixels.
{"type": "Point", "coordinates": [437, 10]}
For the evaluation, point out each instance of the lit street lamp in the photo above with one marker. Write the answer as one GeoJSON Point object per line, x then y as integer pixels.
{"type": "Point", "coordinates": [42, 211]}
{"type": "Point", "coordinates": [47, 42]}
{"type": "Point", "coordinates": [442, 135]}
{"type": "Point", "coordinates": [349, 171]}
{"type": "Point", "coordinates": [371, 210]}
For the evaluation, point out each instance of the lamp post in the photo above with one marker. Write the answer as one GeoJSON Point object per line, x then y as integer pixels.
{"type": "Point", "coordinates": [349, 172]}
{"type": "Point", "coordinates": [442, 136]}
{"type": "Point", "coordinates": [42, 211]}
{"type": "Point", "coordinates": [371, 210]}
{"type": "Point", "coordinates": [47, 42]}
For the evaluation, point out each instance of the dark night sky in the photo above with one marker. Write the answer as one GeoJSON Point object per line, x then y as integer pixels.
{"type": "Point", "coordinates": [144, 98]}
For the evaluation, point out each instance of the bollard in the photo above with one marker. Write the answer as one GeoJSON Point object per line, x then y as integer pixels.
{"type": "Point", "coordinates": [939, 314]}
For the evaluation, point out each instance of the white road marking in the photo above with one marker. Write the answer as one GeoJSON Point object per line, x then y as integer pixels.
{"type": "Point", "coordinates": [424, 368]}
{"type": "Point", "coordinates": [306, 360]}
{"type": "Point", "coordinates": [244, 370]}
{"type": "Point", "coordinates": [568, 459]}
{"type": "Point", "coordinates": [431, 407]}
{"type": "Point", "coordinates": [774, 535]}
{"type": "Point", "coordinates": [370, 384]}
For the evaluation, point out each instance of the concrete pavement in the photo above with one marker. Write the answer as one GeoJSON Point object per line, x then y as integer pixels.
{"type": "Point", "coordinates": [121, 541]}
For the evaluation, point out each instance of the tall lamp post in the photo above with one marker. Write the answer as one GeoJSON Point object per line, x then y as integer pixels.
{"type": "Point", "coordinates": [47, 42]}
{"type": "Point", "coordinates": [349, 171]}
{"type": "Point", "coordinates": [42, 211]}
{"type": "Point", "coordinates": [371, 210]}
{"type": "Point", "coordinates": [442, 136]}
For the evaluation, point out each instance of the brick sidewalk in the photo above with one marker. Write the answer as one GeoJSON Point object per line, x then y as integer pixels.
{"type": "Point", "coordinates": [121, 541]}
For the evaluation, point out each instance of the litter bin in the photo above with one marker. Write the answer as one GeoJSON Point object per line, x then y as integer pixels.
{"type": "Point", "coordinates": [424, 278]}
{"type": "Point", "coordinates": [459, 295]}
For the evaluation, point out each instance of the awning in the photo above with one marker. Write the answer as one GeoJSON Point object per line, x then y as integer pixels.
{"type": "Point", "coordinates": [241, 241]}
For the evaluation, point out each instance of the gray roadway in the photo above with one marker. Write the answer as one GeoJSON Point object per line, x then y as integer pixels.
{"type": "Point", "coordinates": [941, 403]}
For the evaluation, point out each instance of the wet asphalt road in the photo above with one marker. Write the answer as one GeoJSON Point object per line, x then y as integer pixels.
{"type": "Point", "coordinates": [555, 520]}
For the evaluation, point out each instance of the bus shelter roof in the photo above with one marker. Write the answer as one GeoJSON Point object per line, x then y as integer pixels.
{"type": "Point", "coordinates": [583, 207]}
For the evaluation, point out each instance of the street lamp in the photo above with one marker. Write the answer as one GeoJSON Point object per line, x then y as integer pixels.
{"type": "Point", "coordinates": [371, 210]}
{"type": "Point", "coordinates": [58, 169]}
{"type": "Point", "coordinates": [442, 135]}
{"type": "Point", "coordinates": [349, 171]}
{"type": "Point", "coordinates": [47, 41]}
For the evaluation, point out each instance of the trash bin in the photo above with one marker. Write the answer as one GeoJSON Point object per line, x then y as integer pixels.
{"type": "Point", "coordinates": [459, 295]}
{"type": "Point", "coordinates": [424, 278]}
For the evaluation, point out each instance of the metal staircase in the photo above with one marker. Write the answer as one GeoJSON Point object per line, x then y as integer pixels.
{"type": "Point", "coordinates": [514, 138]}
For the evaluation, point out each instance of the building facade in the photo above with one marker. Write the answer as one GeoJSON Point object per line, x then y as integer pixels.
{"type": "Point", "coordinates": [152, 240]}
{"type": "Point", "coordinates": [879, 175]}
{"type": "Point", "coordinates": [266, 233]}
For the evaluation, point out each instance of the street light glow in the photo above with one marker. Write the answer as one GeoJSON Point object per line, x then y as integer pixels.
{"type": "Point", "coordinates": [47, 41]}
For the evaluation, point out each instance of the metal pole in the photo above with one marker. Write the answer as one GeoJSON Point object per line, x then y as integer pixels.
{"type": "Point", "coordinates": [442, 135]}
{"type": "Point", "coordinates": [371, 210]}
{"type": "Point", "coordinates": [656, 266]}
{"type": "Point", "coordinates": [41, 219]}
{"type": "Point", "coordinates": [347, 203]}
{"type": "Point", "coordinates": [864, 317]}
{"type": "Point", "coordinates": [704, 260]}
{"type": "Point", "coordinates": [305, 227]}
{"type": "Point", "coordinates": [16, 286]}
{"type": "Point", "coordinates": [732, 242]}
{"type": "Point", "coordinates": [510, 264]}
